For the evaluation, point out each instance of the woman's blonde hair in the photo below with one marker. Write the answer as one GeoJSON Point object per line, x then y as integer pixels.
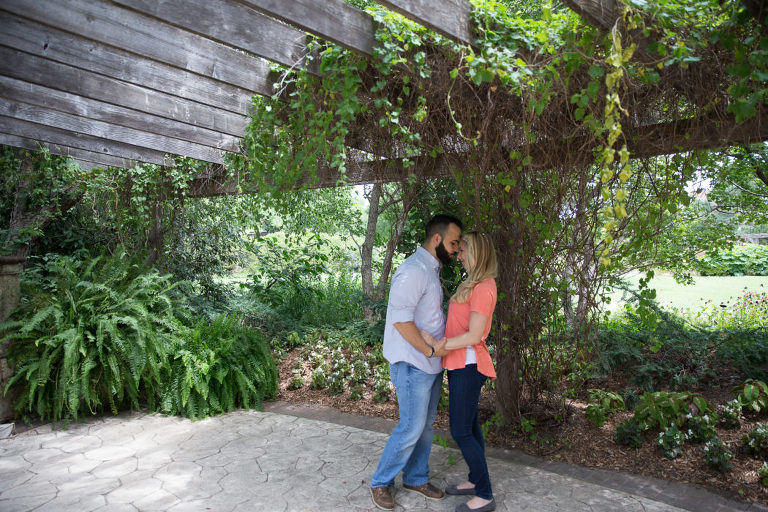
{"type": "Point", "coordinates": [480, 262]}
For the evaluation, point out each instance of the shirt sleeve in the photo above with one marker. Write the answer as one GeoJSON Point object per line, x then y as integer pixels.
{"type": "Point", "coordinates": [406, 290]}
{"type": "Point", "coordinates": [483, 298]}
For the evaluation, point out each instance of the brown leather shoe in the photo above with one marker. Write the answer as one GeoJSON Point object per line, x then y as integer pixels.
{"type": "Point", "coordinates": [428, 490]}
{"type": "Point", "coordinates": [382, 497]}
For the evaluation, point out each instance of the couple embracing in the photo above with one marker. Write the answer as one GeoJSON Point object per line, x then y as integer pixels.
{"type": "Point", "coordinates": [419, 344]}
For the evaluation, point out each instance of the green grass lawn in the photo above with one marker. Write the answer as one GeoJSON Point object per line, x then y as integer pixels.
{"type": "Point", "coordinates": [706, 290]}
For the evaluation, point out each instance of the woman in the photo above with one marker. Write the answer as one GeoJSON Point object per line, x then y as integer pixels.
{"type": "Point", "coordinates": [469, 364]}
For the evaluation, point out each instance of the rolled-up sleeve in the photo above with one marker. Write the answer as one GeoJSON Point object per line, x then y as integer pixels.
{"type": "Point", "coordinates": [405, 293]}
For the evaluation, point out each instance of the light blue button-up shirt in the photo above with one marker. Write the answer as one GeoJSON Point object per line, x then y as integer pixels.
{"type": "Point", "coordinates": [415, 296]}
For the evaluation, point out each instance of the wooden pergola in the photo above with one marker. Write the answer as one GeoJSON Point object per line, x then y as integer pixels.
{"type": "Point", "coordinates": [115, 83]}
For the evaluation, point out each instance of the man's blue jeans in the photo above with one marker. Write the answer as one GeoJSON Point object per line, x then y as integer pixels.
{"type": "Point", "coordinates": [410, 443]}
{"type": "Point", "coordinates": [464, 386]}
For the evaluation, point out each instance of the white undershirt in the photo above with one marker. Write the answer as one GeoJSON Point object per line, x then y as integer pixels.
{"type": "Point", "coordinates": [471, 356]}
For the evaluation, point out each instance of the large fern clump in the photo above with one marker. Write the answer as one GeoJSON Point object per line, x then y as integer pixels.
{"type": "Point", "coordinates": [218, 367]}
{"type": "Point", "coordinates": [91, 332]}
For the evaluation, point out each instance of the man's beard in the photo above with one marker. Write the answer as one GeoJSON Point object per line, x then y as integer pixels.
{"type": "Point", "coordinates": [442, 254]}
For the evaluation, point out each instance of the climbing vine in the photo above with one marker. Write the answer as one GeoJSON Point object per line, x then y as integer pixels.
{"type": "Point", "coordinates": [537, 121]}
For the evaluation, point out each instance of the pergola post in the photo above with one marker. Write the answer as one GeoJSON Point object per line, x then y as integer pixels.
{"type": "Point", "coordinates": [10, 293]}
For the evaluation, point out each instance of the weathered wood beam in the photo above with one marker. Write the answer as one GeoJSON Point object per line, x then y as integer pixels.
{"type": "Point", "coordinates": [74, 53]}
{"type": "Point", "coordinates": [601, 14]}
{"type": "Point", "coordinates": [23, 92]}
{"type": "Point", "coordinates": [28, 135]}
{"type": "Point", "coordinates": [450, 18]}
{"type": "Point", "coordinates": [235, 24]}
{"type": "Point", "coordinates": [146, 36]}
{"type": "Point", "coordinates": [34, 70]}
{"type": "Point", "coordinates": [86, 159]}
{"type": "Point", "coordinates": [104, 130]}
{"type": "Point", "coordinates": [332, 20]}
{"type": "Point", "coordinates": [358, 173]}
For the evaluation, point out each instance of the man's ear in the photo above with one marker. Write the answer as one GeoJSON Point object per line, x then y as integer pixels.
{"type": "Point", "coordinates": [437, 239]}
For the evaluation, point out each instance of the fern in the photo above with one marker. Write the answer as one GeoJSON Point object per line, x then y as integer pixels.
{"type": "Point", "coordinates": [94, 333]}
{"type": "Point", "coordinates": [219, 367]}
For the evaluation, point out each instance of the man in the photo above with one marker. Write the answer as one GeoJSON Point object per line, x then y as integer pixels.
{"type": "Point", "coordinates": [415, 367]}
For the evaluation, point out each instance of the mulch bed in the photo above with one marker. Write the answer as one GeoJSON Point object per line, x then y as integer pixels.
{"type": "Point", "coordinates": [576, 441]}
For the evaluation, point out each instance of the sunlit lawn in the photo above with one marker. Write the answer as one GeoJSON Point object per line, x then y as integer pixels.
{"type": "Point", "coordinates": [706, 290]}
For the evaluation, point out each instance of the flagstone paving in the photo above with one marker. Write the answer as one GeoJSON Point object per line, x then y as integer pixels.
{"type": "Point", "coordinates": [286, 459]}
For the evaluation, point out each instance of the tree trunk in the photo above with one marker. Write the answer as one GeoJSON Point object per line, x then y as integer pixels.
{"type": "Point", "coordinates": [366, 250]}
{"type": "Point", "coordinates": [408, 195]}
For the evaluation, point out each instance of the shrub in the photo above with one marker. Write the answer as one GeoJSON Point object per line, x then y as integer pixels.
{"type": "Point", "coordinates": [603, 403]}
{"type": "Point", "coordinates": [92, 333]}
{"type": "Point", "coordinates": [730, 414]}
{"type": "Point", "coordinates": [319, 379]}
{"type": "Point", "coordinates": [756, 441]}
{"type": "Point", "coordinates": [718, 455]}
{"type": "Point", "coordinates": [744, 260]}
{"type": "Point", "coordinates": [381, 385]}
{"type": "Point", "coordinates": [763, 474]}
{"type": "Point", "coordinates": [220, 366]}
{"type": "Point", "coordinates": [753, 394]}
{"type": "Point", "coordinates": [664, 408]}
{"type": "Point", "coordinates": [629, 433]}
{"type": "Point", "coordinates": [670, 442]}
{"type": "Point", "coordinates": [700, 429]}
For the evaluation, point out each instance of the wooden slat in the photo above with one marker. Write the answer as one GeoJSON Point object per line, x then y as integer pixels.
{"type": "Point", "coordinates": [30, 69]}
{"type": "Point", "coordinates": [234, 24]}
{"type": "Point", "coordinates": [32, 94]}
{"type": "Point", "coordinates": [78, 52]}
{"type": "Point", "coordinates": [16, 131]}
{"type": "Point", "coordinates": [450, 18]}
{"type": "Point", "coordinates": [100, 129]}
{"type": "Point", "coordinates": [332, 20]}
{"type": "Point", "coordinates": [86, 159]}
{"type": "Point", "coordinates": [151, 38]}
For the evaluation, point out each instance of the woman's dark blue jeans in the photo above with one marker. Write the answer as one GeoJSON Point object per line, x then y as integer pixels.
{"type": "Point", "coordinates": [464, 386]}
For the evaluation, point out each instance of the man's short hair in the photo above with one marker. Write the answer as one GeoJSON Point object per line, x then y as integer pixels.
{"type": "Point", "coordinates": [439, 224]}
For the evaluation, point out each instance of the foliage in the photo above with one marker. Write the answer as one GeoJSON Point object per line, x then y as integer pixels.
{"type": "Point", "coordinates": [35, 184]}
{"type": "Point", "coordinates": [91, 333]}
{"type": "Point", "coordinates": [337, 359]}
{"type": "Point", "coordinates": [717, 455]}
{"type": "Point", "coordinates": [756, 440]}
{"type": "Point", "coordinates": [700, 428]}
{"type": "Point", "coordinates": [753, 395]}
{"type": "Point", "coordinates": [293, 278]}
{"type": "Point", "coordinates": [216, 368]}
{"type": "Point", "coordinates": [763, 474]}
{"type": "Point", "coordinates": [742, 260]}
{"type": "Point", "coordinates": [661, 349]}
{"type": "Point", "coordinates": [629, 433]}
{"type": "Point", "coordinates": [603, 403]}
{"type": "Point", "coordinates": [670, 442]}
{"type": "Point", "coordinates": [748, 314]}
{"type": "Point", "coordinates": [658, 349]}
{"type": "Point", "coordinates": [730, 414]}
{"type": "Point", "coordinates": [665, 408]}
{"type": "Point", "coordinates": [739, 178]}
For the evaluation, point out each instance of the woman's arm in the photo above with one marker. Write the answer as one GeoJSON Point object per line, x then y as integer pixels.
{"type": "Point", "coordinates": [477, 323]}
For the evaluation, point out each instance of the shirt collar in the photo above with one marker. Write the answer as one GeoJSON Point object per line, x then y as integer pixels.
{"type": "Point", "coordinates": [428, 259]}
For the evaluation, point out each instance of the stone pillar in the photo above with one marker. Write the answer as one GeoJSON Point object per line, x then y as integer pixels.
{"type": "Point", "coordinates": [10, 293]}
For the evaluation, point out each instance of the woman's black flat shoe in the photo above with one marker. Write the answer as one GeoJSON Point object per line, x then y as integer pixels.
{"type": "Point", "coordinates": [455, 491]}
{"type": "Point", "coordinates": [488, 507]}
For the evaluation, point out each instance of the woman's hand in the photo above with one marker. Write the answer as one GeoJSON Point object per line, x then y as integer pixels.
{"type": "Point", "coordinates": [431, 341]}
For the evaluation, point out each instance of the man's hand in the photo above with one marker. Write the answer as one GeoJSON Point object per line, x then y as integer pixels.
{"type": "Point", "coordinates": [439, 346]}
{"type": "Point", "coordinates": [431, 341]}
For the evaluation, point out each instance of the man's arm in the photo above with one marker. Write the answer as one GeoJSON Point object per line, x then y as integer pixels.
{"type": "Point", "coordinates": [411, 334]}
